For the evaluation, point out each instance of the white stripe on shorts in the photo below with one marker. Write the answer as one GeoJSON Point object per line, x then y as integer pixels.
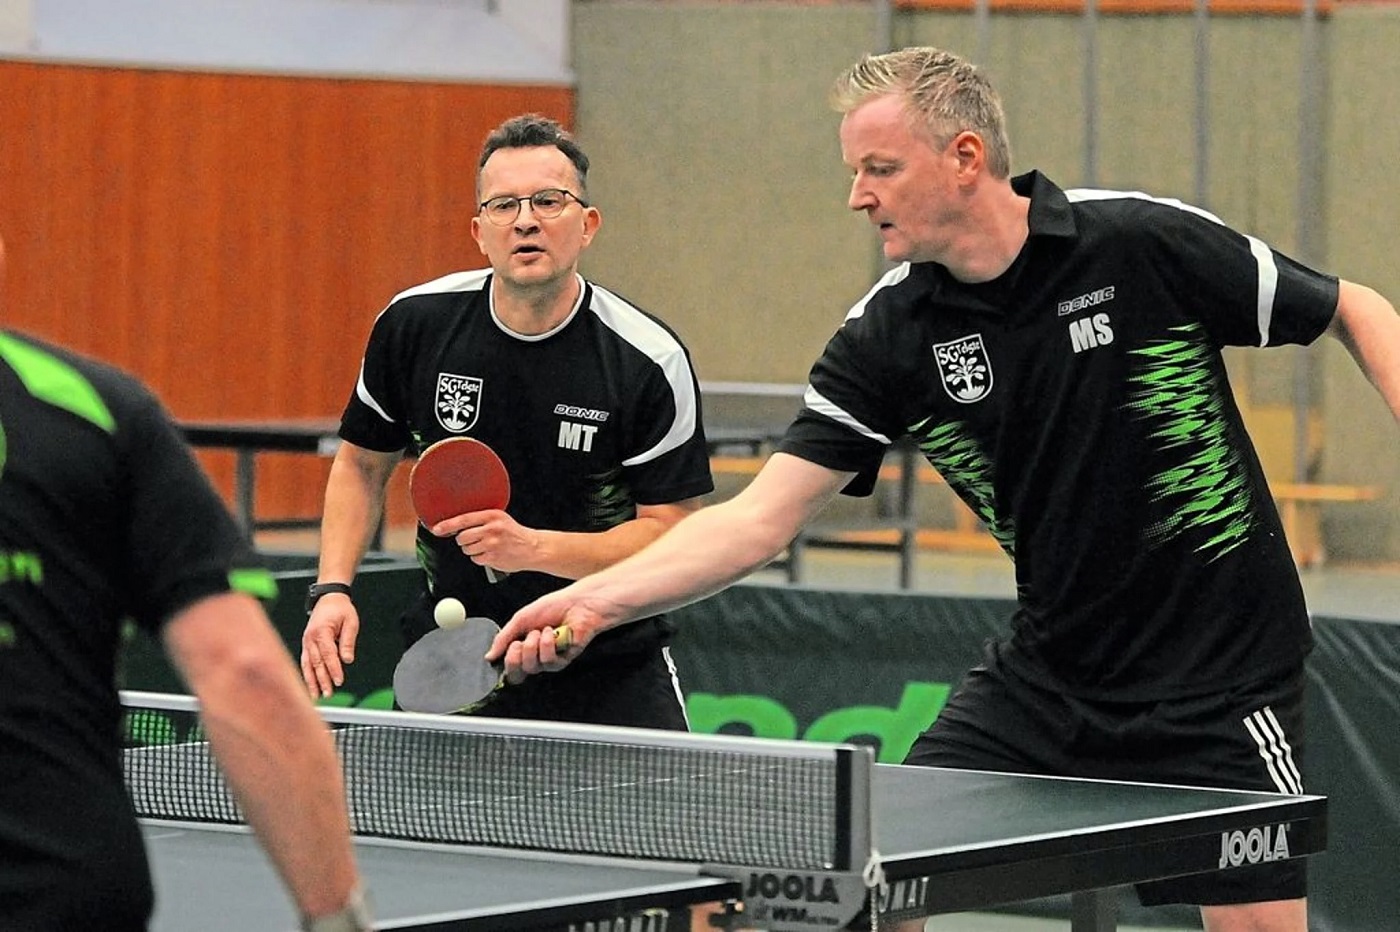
{"type": "Point", "coordinates": [676, 683]}
{"type": "Point", "coordinates": [1274, 748]}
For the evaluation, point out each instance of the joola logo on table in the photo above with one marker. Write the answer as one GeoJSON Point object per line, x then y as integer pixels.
{"type": "Point", "coordinates": [1256, 846]}
{"type": "Point", "coordinates": [803, 887]}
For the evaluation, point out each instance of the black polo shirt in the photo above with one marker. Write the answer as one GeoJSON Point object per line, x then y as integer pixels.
{"type": "Point", "coordinates": [104, 515]}
{"type": "Point", "coordinates": [1080, 405]}
{"type": "Point", "coordinates": [591, 419]}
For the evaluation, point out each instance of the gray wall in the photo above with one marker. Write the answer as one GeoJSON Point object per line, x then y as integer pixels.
{"type": "Point", "coordinates": [719, 174]}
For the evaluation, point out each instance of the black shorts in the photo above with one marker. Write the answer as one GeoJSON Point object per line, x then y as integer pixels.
{"type": "Point", "coordinates": [638, 690]}
{"type": "Point", "coordinates": [1249, 737]}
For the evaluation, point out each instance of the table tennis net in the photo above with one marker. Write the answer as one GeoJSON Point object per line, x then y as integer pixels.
{"type": "Point", "coordinates": [542, 786]}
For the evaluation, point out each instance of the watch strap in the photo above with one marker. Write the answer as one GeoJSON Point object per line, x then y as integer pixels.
{"type": "Point", "coordinates": [316, 590]}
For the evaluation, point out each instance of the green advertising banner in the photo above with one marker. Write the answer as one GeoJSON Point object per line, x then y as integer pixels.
{"type": "Point", "coordinates": [876, 668]}
{"type": "Point", "coordinates": [783, 662]}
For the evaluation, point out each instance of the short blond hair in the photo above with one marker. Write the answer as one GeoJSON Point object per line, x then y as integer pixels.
{"type": "Point", "coordinates": [944, 93]}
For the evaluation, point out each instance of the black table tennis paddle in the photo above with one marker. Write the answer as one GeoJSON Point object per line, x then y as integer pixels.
{"type": "Point", "coordinates": [445, 672]}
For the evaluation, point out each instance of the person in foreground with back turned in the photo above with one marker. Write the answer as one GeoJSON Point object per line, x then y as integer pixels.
{"type": "Point", "coordinates": [590, 402]}
{"type": "Point", "coordinates": [1056, 355]}
{"type": "Point", "coordinates": [104, 516]}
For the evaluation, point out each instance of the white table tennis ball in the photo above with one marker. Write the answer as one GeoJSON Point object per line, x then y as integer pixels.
{"type": "Point", "coordinates": [450, 613]}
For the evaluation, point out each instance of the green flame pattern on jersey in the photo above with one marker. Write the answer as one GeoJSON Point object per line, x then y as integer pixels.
{"type": "Point", "coordinates": [1205, 486]}
{"type": "Point", "coordinates": [609, 502]}
{"type": "Point", "coordinates": [967, 470]}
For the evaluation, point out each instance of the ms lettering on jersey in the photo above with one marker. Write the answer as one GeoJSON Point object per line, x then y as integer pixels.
{"type": "Point", "coordinates": [1089, 332]}
{"type": "Point", "coordinates": [964, 368]}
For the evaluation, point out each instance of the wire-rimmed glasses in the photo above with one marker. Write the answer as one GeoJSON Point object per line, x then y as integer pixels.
{"type": "Point", "coordinates": [547, 203]}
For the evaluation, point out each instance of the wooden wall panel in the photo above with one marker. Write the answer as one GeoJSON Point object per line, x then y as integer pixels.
{"type": "Point", "coordinates": [230, 238]}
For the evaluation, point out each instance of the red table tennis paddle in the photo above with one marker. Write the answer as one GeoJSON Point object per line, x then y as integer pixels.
{"type": "Point", "coordinates": [445, 671]}
{"type": "Point", "coordinates": [455, 476]}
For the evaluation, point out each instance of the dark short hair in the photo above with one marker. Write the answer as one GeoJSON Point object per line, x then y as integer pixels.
{"type": "Point", "coordinates": [531, 130]}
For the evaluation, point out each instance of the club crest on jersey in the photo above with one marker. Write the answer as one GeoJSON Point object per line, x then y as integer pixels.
{"type": "Point", "coordinates": [964, 368]}
{"type": "Point", "coordinates": [457, 402]}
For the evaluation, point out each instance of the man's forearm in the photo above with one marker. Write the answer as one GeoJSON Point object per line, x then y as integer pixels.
{"type": "Point", "coordinates": [704, 553]}
{"type": "Point", "coordinates": [573, 555]}
{"type": "Point", "coordinates": [354, 507]}
{"type": "Point", "coordinates": [1370, 329]}
{"type": "Point", "coordinates": [271, 744]}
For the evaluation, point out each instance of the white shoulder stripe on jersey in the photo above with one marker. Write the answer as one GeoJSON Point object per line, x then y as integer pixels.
{"type": "Point", "coordinates": [1267, 288]}
{"type": "Point", "coordinates": [818, 403]}
{"type": "Point", "coordinates": [1104, 194]}
{"type": "Point", "coordinates": [1274, 748]}
{"type": "Point", "coordinates": [893, 277]}
{"type": "Point", "coordinates": [658, 345]}
{"type": "Point", "coordinates": [453, 281]}
{"type": "Point", "coordinates": [362, 393]}
{"type": "Point", "coordinates": [815, 400]}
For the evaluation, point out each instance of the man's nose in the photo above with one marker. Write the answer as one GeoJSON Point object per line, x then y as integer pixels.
{"type": "Point", "coordinates": [860, 198]}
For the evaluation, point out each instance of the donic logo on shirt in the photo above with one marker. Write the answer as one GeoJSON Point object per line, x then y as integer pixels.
{"type": "Point", "coordinates": [964, 368]}
{"type": "Point", "coordinates": [457, 401]}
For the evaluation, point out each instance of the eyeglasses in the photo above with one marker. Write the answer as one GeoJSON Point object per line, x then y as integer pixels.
{"type": "Point", "coordinates": [546, 204]}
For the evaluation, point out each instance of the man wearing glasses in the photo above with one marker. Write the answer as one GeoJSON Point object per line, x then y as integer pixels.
{"type": "Point", "coordinates": [590, 402]}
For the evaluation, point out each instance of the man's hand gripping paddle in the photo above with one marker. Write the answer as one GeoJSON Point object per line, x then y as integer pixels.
{"type": "Point", "coordinates": [445, 671]}
{"type": "Point", "coordinates": [455, 476]}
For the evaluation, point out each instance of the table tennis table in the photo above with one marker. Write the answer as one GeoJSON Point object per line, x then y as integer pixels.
{"type": "Point", "coordinates": [943, 840]}
{"type": "Point", "coordinates": [316, 436]}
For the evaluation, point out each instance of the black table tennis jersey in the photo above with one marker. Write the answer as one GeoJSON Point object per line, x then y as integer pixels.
{"type": "Point", "coordinates": [1080, 405]}
{"type": "Point", "coordinates": [591, 419]}
{"type": "Point", "coordinates": [104, 515]}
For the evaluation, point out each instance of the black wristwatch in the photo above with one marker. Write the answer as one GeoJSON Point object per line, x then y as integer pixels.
{"type": "Point", "coordinates": [319, 589]}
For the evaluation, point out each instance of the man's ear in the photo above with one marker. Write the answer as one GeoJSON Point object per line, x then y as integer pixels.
{"type": "Point", "coordinates": [476, 233]}
{"type": "Point", "coordinates": [592, 220]}
{"type": "Point", "coordinates": [970, 151]}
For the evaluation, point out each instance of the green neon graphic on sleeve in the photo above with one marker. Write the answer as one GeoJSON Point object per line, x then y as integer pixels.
{"type": "Point", "coordinates": [967, 470]}
{"type": "Point", "coordinates": [1205, 487]}
{"type": "Point", "coordinates": [258, 583]}
{"type": "Point", "coordinates": [54, 381]}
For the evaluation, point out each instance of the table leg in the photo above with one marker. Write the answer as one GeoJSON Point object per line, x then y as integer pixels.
{"type": "Point", "coordinates": [243, 483]}
{"type": "Point", "coordinates": [794, 559]}
{"type": "Point", "coordinates": [1094, 911]}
